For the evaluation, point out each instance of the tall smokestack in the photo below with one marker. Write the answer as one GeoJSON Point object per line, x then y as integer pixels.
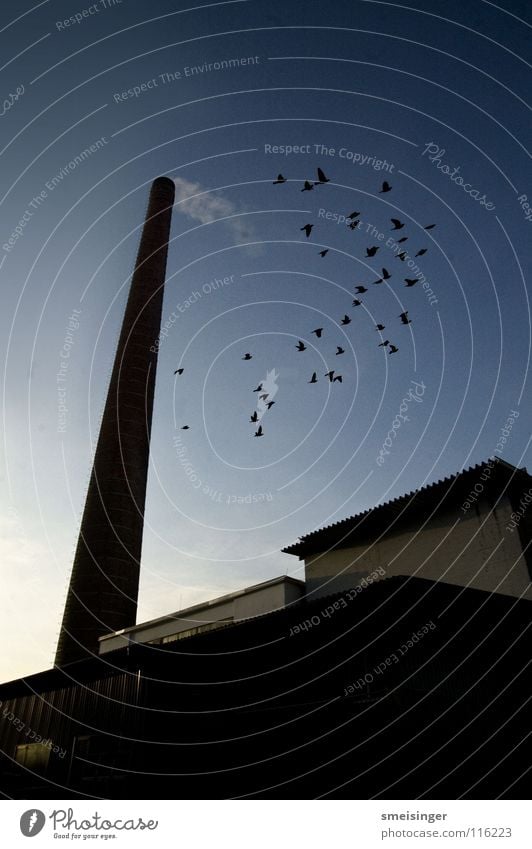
{"type": "Point", "coordinates": [103, 590]}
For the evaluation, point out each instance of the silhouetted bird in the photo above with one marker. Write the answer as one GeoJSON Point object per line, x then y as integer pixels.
{"type": "Point", "coordinates": [254, 417]}
{"type": "Point", "coordinates": [314, 378]}
{"type": "Point", "coordinates": [318, 332]}
{"type": "Point", "coordinates": [379, 327]}
{"type": "Point", "coordinates": [380, 280]}
{"type": "Point", "coordinates": [357, 303]}
{"type": "Point", "coordinates": [280, 179]}
{"type": "Point", "coordinates": [353, 215]}
{"type": "Point", "coordinates": [397, 224]}
{"type": "Point", "coordinates": [300, 346]}
{"type": "Point", "coordinates": [307, 228]}
{"type": "Point", "coordinates": [339, 350]}
{"type": "Point", "coordinates": [247, 357]}
{"type": "Point", "coordinates": [410, 281]}
{"type": "Point", "coordinates": [307, 187]}
{"type": "Point", "coordinates": [371, 251]}
{"type": "Point", "coordinates": [270, 404]}
{"type": "Point", "coordinates": [321, 177]}
{"type": "Point", "coordinates": [360, 290]}
{"type": "Point", "coordinates": [393, 349]}
{"type": "Point", "coordinates": [330, 375]}
{"type": "Point", "coordinates": [402, 256]}
{"type": "Point", "coordinates": [323, 253]}
{"type": "Point", "coordinates": [385, 188]}
{"type": "Point", "coordinates": [353, 225]}
{"type": "Point", "coordinates": [259, 432]}
{"type": "Point", "coordinates": [404, 318]}
{"type": "Point", "coordinates": [404, 239]}
{"type": "Point", "coordinates": [383, 344]}
{"type": "Point", "coordinates": [263, 397]}
{"type": "Point", "coordinates": [259, 388]}
{"type": "Point", "coordinates": [385, 274]}
{"type": "Point", "coordinates": [337, 378]}
{"type": "Point", "coordinates": [179, 371]}
{"type": "Point", "coordinates": [346, 320]}
{"type": "Point", "coordinates": [429, 227]}
{"type": "Point", "coordinates": [185, 427]}
{"type": "Point", "coordinates": [421, 252]}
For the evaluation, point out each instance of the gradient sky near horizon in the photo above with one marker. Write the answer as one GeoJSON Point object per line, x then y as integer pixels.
{"type": "Point", "coordinates": [353, 84]}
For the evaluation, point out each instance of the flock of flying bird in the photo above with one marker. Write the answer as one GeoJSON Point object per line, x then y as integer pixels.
{"type": "Point", "coordinates": [354, 221]}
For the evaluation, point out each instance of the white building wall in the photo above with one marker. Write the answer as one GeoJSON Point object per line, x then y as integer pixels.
{"type": "Point", "coordinates": [466, 554]}
{"type": "Point", "coordinates": [244, 604]}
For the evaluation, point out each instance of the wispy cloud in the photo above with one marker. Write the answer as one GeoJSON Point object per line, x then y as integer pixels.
{"type": "Point", "coordinates": [205, 206]}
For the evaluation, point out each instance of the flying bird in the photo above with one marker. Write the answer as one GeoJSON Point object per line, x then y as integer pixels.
{"type": "Point", "coordinates": [314, 378]}
{"type": "Point", "coordinates": [330, 375]}
{"type": "Point", "coordinates": [380, 280]}
{"type": "Point", "coordinates": [383, 344]}
{"type": "Point", "coordinates": [404, 239]}
{"type": "Point", "coordinates": [254, 417]}
{"type": "Point", "coordinates": [307, 187]}
{"type": "Point", "coordinates": [421, 252]}
{"type": "Point", "coordinates": [270, 404]}
{"type": "Point", "coordinates": [280, 179]}
{"type": "Point", "coordinates": [247, 357]}
{"type": "Point", "coordinates": [339, 350]}
{"type": "Point", "coordinates": [185, 427]}
{"type": "Point", "coordinates": [353, 215]}
{"type": "Point", "coordinates": [404, 318]}
{"type": "Point", "coordinates": [385, 188]}
{"type": "Point", "coordinates": [346, 320]}
{"type": "Point", "coordinates": [371, 251]}
{"type": "Point", "coordinates": [263, 397]}
{"type": "Point", "coordinates": [385, 274]}
{"type": "Point", "coordinates": [393, 349]}
{"type": "Point", "coordinates": [397, 224]}
{"type": "Point", "coordinates": [318, 332]}
{"type": "Point", "coordinates": [179, 371]}
{"type": "Point", "coordinates": [259, 388]}
{"type": "Point", "coordinates": [323, 253]}
{"type": "Point", "coordinates": [301, 346]}
{"type": "Point", "coordinates": [360, 290]}
{"type": "Point", "coordinates": [379, 327]}
{"type": "Point", "coordinates": [321, 177]}
{"type": "Point", "coordinates": [337, 378]}
{"type": "Point", "coordinates": [353, 225]}
{"type": "Point", "coordinates": [307, 228]}
{"type": "Point", "coordinates": [259, 432]}
{"type": "Point", "coordinates": [410, 281]}
{"type": "Point", "coordinates": [357, 303]}
{"type": "Point", "coordinates": [401, 256]}
{"type": "Point", "coordinates": [429, 227]}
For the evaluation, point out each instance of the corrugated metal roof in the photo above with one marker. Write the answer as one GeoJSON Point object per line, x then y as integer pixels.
{"type": "Point", "coordinates": [337, 533]}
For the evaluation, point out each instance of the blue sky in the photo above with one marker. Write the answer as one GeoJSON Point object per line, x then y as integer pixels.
{"type": "Point", "coordinates": [437, 90]}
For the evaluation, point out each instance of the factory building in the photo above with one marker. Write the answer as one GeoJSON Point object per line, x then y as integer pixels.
{"type": "Point", "coordinates": [397, 669]}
